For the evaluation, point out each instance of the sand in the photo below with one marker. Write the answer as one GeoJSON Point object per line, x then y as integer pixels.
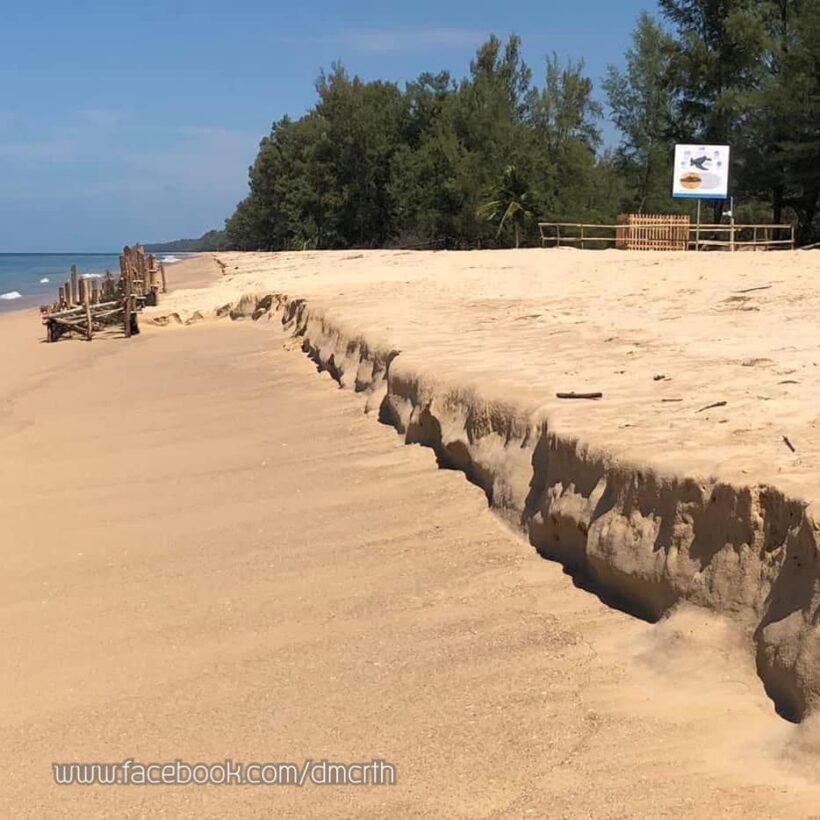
{"type": "Point", "coordinates": [210, 552]}
{"type": "Point", "coordinates": [693, 479]}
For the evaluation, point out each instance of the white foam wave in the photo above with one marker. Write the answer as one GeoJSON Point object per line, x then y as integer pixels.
{"type": "Point", "coordinates": [12, 294]}
{"type": "Point", "coordinates": [170, 260]}
{"type": "Point", "coordinates": [45, 280]}
{"type": "Point", "coordinates": [91, 276]}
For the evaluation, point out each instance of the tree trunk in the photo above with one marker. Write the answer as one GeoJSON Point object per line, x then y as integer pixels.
{"type": "Point", "coordinates": [517, 242]}
{"type": "Point", "coordinates": [777, 204]}
{"type": "Point", "coordinates": [808, 212]}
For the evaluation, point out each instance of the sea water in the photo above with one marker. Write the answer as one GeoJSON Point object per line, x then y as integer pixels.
{"type": "Point", "coordinates": [31, 279]}
{"type": "Point", "coordinates": [28, 279]}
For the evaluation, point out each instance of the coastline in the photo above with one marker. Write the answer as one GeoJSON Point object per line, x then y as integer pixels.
{"type": "Point", "coordinates": [23, 274]}
{"type": "Point", "coordinates": [247, 565]}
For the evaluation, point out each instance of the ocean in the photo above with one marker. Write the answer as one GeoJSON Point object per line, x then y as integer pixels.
{"type": "Point", "coordinates": [31, 279]}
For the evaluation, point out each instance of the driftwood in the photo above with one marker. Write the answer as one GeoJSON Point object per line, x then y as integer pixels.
{"type": "Point", "coordinates": [712, 406]}
{"type": "Point", "coordinates": [579, 395]}
{"type": "Point", "coordinates": [789, 444]}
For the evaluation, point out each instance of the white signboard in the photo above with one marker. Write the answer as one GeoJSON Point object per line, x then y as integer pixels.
{"type": "Point", "coordinates": [701, 172]}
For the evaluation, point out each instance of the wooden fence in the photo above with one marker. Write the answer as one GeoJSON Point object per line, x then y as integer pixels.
{"type": "Point", "coordinates": [659, 232]}
{"type": "Point", "coordinates": [652, 232]}
{"type": "Point", "coordinates": [85, 306]}
{"type": "Point", "coordinates": [742, 237]}
{"type": "Point", "coordinates": [576, 233]}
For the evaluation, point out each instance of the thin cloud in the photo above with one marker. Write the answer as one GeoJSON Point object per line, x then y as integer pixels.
{"type": "Point", "coordinates": [405, 40]}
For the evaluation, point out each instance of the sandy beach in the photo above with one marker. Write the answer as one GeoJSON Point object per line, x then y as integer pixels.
{"type": "Point", "coordinates": [213, 552]}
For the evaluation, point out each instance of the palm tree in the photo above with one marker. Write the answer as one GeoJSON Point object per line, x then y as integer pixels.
{"type": "Point", "coordinates": [510, 203]}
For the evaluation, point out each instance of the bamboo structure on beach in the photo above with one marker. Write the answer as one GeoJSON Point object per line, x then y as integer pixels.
{"type": "Point", "coordinates": [666, 232]}
{"type": "Point", "coordinates": [85, 306]}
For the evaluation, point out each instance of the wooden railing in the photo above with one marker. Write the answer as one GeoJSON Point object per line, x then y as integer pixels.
{"type": "Point", "coordinates": [641, 232]}
{"type": "Point", "coordinates": [741, 236]}
{"type": "Point", "coordinates": [574, 233]}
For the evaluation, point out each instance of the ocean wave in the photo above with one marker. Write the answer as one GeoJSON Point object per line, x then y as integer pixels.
{"type": "Point", "coordinates": [170, 260]}
{"type": "Point", "coordinates": [12, 294]}
{"type": "Point", "coordinates": [91, 276]}
{"type": "Point", "coordinates": [45, 280]}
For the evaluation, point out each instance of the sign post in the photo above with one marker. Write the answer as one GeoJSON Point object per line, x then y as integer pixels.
{"type": "Point", "coordinates": [701, 172]}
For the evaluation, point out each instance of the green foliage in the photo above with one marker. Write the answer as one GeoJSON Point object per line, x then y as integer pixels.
{"type": "Point", "coordinates": [373, 165]}
{"type": "Point", "coordinates": [210, 241]}
{"type": "Point", "coordinates": [643, 108]}
{"type": "Point", "coordinates": [476, 162]}
{"type": "Point", "coordinates": [510, 205]}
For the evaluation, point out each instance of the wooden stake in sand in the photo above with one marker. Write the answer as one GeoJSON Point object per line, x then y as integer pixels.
{"type": "Point", "coordinates": [127, 305]}
{"type": "Point", "coordinates": [75, 300]}
{"type": "Point", "coordinates": [87, 302]}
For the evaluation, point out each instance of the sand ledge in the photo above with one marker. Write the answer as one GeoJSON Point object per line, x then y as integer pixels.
{"type": "Point", "coordinates": [642, 540]}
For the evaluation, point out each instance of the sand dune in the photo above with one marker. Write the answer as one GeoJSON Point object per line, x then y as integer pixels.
{"type": "Point", "coordinates": [220, 555]}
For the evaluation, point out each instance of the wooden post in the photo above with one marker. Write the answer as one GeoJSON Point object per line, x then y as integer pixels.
{"type": "Point", "coordinates": [81, 289]}
{"type": "Point", "coordinates": [74, 290]}
{"type": "Point", "coordinates": [87, 302]}
{"type": "Point", "coordinates": [62, 296]}
{"type": "Point", "coordinates": [127, 304]}
{"type": "Point", "coordinates": [95, 292]}
{"type": "Point", "coordinates": [162, 273]}
{"type": "Point", "coordinates": [582, 237]}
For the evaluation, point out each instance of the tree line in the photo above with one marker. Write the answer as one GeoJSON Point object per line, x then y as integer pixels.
{"type": "Point", "coordinates": [476, 161]}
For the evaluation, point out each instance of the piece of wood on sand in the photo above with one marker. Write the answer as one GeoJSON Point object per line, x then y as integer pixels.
{"type": "Point", "coordinates": [713, 406]}
{"type": "Point", "coordinates": [592, 396]}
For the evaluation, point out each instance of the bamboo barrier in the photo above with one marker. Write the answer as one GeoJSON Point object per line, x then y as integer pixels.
{"type": "Point", "coordinates": [85, 306]}
{"type": "Point", "coordinates": [662, 232]}
{"type": "Point", "coordinates": [652, 232]}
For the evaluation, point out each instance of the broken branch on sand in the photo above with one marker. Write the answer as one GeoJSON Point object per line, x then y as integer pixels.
{"type": "Point", "coordinates": [579, 395]}
{"type": "Point", "coordinates": [711, 406]}
{"type": "Point", "coordinates": [789, 444]}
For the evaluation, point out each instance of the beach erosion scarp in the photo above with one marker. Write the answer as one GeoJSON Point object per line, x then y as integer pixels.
{"type": "Point", "coordinates": [691, 482]}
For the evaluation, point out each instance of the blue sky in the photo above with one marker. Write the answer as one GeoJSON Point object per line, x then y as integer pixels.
{"type": "Point", "coordinates": [135, 120]}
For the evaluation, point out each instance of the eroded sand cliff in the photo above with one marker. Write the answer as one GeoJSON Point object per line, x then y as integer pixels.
{"type": "Point", "coordinates": [691, 480]}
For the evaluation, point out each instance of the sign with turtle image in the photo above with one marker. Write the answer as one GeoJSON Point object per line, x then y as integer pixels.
{"type": "Point", "coordinates": [701, 172]}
